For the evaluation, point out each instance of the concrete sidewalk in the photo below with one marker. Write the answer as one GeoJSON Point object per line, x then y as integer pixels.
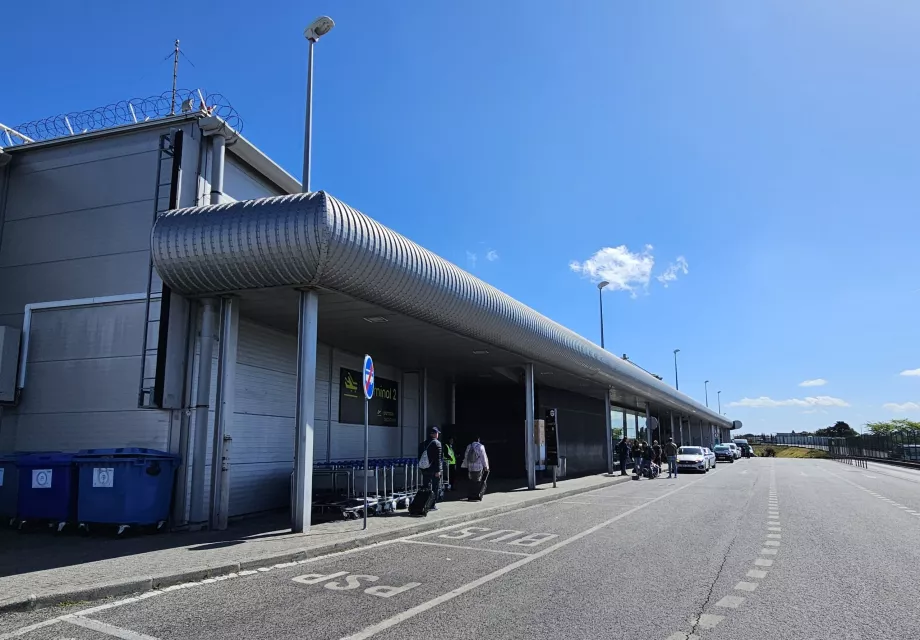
{"type": "Point", "coordinates": [41, 570]}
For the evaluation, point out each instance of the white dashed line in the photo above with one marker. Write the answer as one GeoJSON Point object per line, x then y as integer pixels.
{"type": "Point", "coordinates": [757, 574]}
{"type": "Point", "coordinates": [774, 528]}
{"type": "Point", "coordinates": [730, 602]}
{"type": "Point", "coordinates": [745, 586]}
{"type": "Point", "coordinates": [107, 629]}
{"type": "Point", "coordinates": [709, 621]}
{"type": "Point", "coordinates": [761, 562]}
{"type": "Point", "coordinates": [682, 636]}
{"type": "Point", "coordinates": [768, 552]}
{"type": "Point", "coordinates": [774, 535]}
{"type": "Point", "coordinates": [772, 543]}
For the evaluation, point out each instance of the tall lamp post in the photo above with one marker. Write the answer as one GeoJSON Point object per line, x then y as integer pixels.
{"type": "Point", "coordinates": [676, 384]}
{"type": "Point", "coordinates": [719, 398]}
{"type": "Point", "coordinates": [600, 299]}
{"type": "Point", "coordinates": [706, 387]}
{"type": "Point", "coordinates": [317, 29]}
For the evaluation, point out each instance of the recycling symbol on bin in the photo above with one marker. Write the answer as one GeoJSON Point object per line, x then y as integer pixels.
{"type": "Point", "coordinates": [41, 479]}
{"type": "Point", "coordinates": [103, 477]}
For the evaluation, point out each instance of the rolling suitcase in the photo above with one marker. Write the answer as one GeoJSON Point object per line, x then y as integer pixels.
{"type": "Point", "coordinates": [477, 488]}
{"type": "Point", "coordinates": [422, 502]}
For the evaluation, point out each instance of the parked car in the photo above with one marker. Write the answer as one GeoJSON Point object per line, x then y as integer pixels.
{"type": "Point", "coordinates": [724, 453]}
{"type": "Point", "coordinates": [744, 445]}
{"type": "Point", "coordinates": [692, 459]}
{"type": "Point", "coordinates": [710, 456]}
{"type": "Point", "coordinates": [736, 450]}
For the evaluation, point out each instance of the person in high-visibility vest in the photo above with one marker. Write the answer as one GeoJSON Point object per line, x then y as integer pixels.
{"type": "Point", "coordinates": [450, 461]}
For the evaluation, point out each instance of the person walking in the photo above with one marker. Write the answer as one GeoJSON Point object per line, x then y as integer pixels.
{"type": "Point", "coordinates": [670, 450]}
{"type": "Point", "coordinates": [430, 451]}
{"type": "Point", "coordinates": [623, 454]}
{"type": "Point", "coordinates": [656, 453]}
{"type": "Point", "coordinates": [476, 463]}
{"type": "Point", "coordinates": [636, 454]}
{"type": "Point", "coordinates": [450, 464]}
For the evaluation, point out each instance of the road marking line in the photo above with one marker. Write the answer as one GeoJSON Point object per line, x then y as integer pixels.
{"type": "Point", "coordinates": [757, 574]}
{"type": "Point", "coordinates": [768, 552]}
{"type": "Point", "coordinates": [457, 546]}
{"type": "Point", "coordinates": [32, 627]}
{"type": "Point", "coordinates": [730, 602]}
{"type": "Point", "coordinates": [682, 636]}
{"type": "Point", "coordinates": [774, 528]}
{"type": "Point", "coordinates": [383, 625]}
{"type": "Point", "coordinates": [746, 586]}
{"type": "Point", "coordinates": [772, 543]}
{"type": "Point", "coordinates": [107, 629]}
{"type": "Point", "coordinates": [774, 535]}
{"type": "Point", "coordinates": [873, 477]}
{"type": "Point", "coordinates": [761, 562]}
{"type": "Point", "coordinates": [709, 621]}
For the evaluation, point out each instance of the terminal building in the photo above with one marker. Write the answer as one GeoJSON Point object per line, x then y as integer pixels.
{"type": "Point", "coordinates": [165, 284]}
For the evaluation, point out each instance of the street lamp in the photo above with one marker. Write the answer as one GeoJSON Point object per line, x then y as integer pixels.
{"type": "Point", "coordinates": [317, 29]}
{"type": "Point", "coordinates": [600, 298]}
{"type": "Point", "coordinates": [719, 398]}
{"type": "Point", "coordinates": [676, 385]}
{"type": "Point", "coordinates": [706, 387]}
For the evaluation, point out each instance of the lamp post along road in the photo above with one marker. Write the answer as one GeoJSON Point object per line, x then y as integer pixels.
{"type": "Point", "coordinates": [706, 388]}
{"type": "Point", "coordinates": [600, 298]}
{"type": "Point", "coordinates": [719, 398]}
{"type": "Point", "coordinates": [676, 383]}
{"type": "Point", "coordinates": [317, 29]}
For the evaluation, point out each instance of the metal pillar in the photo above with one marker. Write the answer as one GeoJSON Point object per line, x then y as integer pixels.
{"type": "Point", "coordinates": [198, 510]}
{"type": "Point", "coordinates": [636, 416]}
{"type": "Point", "coordinates": [424, 404]}
{"type": "Point", "coordinates": [671, 416]}
{"type": "Point", "coordinates": [648, 426]}
{"type": "Point", "coordinates": [223, 412]}
{"type": "Point", "coordinates": [307, 321]}
{"type": "Point", "coordinates": [625, 433]}
{"type": "Point", "coordinates": [529, 457]}
{"type": "Point", "coordinates": [609, 437]}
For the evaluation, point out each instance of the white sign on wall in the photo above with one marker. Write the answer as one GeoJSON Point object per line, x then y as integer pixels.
{"type": "Point", "coordinates": [41, 478]}
{"type": "Point", "coordinates": [103, 477]}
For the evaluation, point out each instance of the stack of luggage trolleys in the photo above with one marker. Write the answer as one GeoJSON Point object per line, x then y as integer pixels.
{"type": "Point", "coordinates": [338, 487]}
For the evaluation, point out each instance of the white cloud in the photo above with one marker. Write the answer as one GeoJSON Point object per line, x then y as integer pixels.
{"type": "Point", "coordinates": [902, 407]}
{"type": "Point", "coordinates": [817, 382]}
{"type": "Point", "coordinates": [492, 255]}
{"type": "Point", "coordinates": [674, 269]}
{"type": "Point", "coordinates": [471, 259]}
{"type": "Point", "coordinates": [911, 372]}
{"type": "Point", "coordinates": [811, 401]}
{"type": "Point", "coordinates": [623, 269]}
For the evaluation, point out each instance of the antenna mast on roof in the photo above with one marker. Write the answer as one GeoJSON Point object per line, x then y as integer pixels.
{"type": "Point", "coordinates": [172, 109]}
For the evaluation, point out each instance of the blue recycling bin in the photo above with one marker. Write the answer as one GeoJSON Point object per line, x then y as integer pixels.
{"type": "Point", "coordinates": [127, 486]}
{"type": "Point", "coordinates": [9, 487]}
{"type": "Point", "coordinates": [47, 487]}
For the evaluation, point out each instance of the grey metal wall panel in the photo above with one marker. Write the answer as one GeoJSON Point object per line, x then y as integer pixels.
{"type": "Point", "coordinates": [79, 386]}
{"type": "Point", "coordinates": [438, 413]}
{"type": "Point", "coordinates": [241, 183]}
{"type": "Point", "coordinates": [313, 239]}
{"type": "Point", "coordinates": [89, 430]}
{"type": "Point", "coordinates": [8, 422]}
{"type": "Point", "coordinates": [78, 234]}
{"type": "Point", "coordinates": [103, 183]}
{"type": "Point", "coordinates": [410, 413]}
{"type": "Point", "coordinates": [31, 160]}
{"type": "Point", "coordinates": [70, 279]}
{"type": "Point", "coordinates": [74, 333]}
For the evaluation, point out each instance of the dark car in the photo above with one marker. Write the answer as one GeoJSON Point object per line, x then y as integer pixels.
{"type": "Point", "coordinates": [723, 453]}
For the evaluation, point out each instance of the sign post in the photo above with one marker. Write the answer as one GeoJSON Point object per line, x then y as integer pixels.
{"type": "Point", "coordinates": [367, 382]}
{"type": "Point", "coordinates": [551, 433]}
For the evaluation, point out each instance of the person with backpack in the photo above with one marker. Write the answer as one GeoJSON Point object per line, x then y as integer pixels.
{"type": "Point", "coordinates": [476, 463]}
{"type": "Point", "coordinates": [431, 461]}
{"type": "Point", "coordinates": [670, 450]}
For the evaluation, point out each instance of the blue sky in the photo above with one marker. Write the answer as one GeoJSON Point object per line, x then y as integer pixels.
{"type": "Point", "coordinates": [767, 152]}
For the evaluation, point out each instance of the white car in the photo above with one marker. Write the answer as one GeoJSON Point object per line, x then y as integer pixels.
{"type": "Point", "coordinates": [710, 456]}
{"type": "Point", "coordinates": [692, 459]}
{"type": "Point", "coordinates": [736, 450]}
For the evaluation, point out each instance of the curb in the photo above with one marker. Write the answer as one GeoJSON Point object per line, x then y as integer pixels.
{"type": "Point", "coordinates": [141, 584]}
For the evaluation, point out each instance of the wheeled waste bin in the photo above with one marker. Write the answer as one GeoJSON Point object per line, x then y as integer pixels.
{"type": "Point", "coordinates": [47, 489]}
{"type": "Point", "coordinates": [125, 487]}
{"type": "Point", "coordinates": [9, 488]}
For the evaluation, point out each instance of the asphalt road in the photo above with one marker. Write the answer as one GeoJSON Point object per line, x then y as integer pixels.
{"type": "Point", "coordinates": [798, 549]}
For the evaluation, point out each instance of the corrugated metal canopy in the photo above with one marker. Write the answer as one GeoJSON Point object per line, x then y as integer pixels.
{"type": "Point", "coordinates": [315, 240]}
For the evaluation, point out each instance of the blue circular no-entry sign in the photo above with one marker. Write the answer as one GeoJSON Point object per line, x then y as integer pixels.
{"type": "Point", "coordinates": [367, 380]}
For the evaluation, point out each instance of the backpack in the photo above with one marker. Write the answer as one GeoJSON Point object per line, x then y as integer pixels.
{"type": "Point", "coordinates": [423, 461]}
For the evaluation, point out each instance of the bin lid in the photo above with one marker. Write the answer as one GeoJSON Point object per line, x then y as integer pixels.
{"type": "Point", "coordinates": [47, 457]}
{"type": "Point", "coordinates": [123, 452]}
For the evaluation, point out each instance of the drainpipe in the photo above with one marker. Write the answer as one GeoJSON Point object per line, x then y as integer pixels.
{"type": "Point", "coordinates": [221, 136]}
{"type": "Point", "coordinates": [199, 511]}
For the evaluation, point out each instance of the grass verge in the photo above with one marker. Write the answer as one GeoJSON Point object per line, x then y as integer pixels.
{"type": "Point", "coordinates": [783, 451]}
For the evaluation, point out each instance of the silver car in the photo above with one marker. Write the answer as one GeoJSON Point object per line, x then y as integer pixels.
{"type": "Point", "coordinates": [710, 456]}
{"type": "Point", "coordinates": [692, 459]}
